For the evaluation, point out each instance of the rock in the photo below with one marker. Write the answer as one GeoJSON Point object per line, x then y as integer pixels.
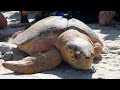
{"type": "Point", "coordinates": [6, 47]}
{"type": "Point", "coordinates": [10, 52]}
{"type": "Point", "coordinates": [18, 55]}
{"type": "Point", "coordinates": [14, 55]}
{"type": "Point", "coordinates": [8, 56]}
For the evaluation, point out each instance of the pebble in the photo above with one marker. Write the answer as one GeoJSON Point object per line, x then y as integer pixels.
{"type": "Point", "coordinates": [8, 56]}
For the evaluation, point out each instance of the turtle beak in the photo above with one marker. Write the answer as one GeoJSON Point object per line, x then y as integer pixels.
{"type": "Point", "coordinates": [78, 55]}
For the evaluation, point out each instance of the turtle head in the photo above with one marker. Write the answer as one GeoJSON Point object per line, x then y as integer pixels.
{"type": "Point", "coordinates": [81, 51]}
{"type": "Point", "coordinates": [80, 48]}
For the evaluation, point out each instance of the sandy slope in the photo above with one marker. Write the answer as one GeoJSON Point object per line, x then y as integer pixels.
{"type": "Point", "coordinates": [107, 68]}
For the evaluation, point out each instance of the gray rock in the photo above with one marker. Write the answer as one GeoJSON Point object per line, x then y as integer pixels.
{"type": "Point", "coordinates": [10, 51]}
{"type": "Point", "coordinates": [18, 55]}
{"type": "Point", "coordinates": [8, 56]}
{"type": "Point", "coordinates": [6, 47]}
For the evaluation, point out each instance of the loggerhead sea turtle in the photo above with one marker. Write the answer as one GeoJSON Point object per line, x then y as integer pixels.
{"type": "Point", "coordinates": [53, 39]}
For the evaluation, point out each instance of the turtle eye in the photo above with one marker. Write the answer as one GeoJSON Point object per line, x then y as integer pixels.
{"type": "Point", "coordinates": [75, 49]}
{"type": "Point", "coordinates": [69, 46]}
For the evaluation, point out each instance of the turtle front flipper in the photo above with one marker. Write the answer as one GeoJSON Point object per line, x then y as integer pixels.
{"type": "Point", "coordinates": [97, 49]}
{"type": "Point", "coordinates": [38, 63]}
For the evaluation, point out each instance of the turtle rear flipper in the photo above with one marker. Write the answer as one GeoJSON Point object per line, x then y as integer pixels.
{"type": "Point", "coordinates": [37, 63]}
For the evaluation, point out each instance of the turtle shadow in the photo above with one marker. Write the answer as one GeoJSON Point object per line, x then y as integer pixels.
{"type": "Point", "coordinates": [97, 60]}
{"type": "Point", "coordinates": [12, 73]}
{"type": "Point", "coordinates": [64, 71]}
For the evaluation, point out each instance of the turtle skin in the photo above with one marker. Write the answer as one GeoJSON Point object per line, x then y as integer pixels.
{"type": "Point", "coordinates": [53, 40]}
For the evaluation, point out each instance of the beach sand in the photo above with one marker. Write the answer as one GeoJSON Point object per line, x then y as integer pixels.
{"type": "Point", "coordinates": [107, 68]}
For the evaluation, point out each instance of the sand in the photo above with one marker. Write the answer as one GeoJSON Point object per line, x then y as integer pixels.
{"type": "Point", "coordinates": [107, 68]}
